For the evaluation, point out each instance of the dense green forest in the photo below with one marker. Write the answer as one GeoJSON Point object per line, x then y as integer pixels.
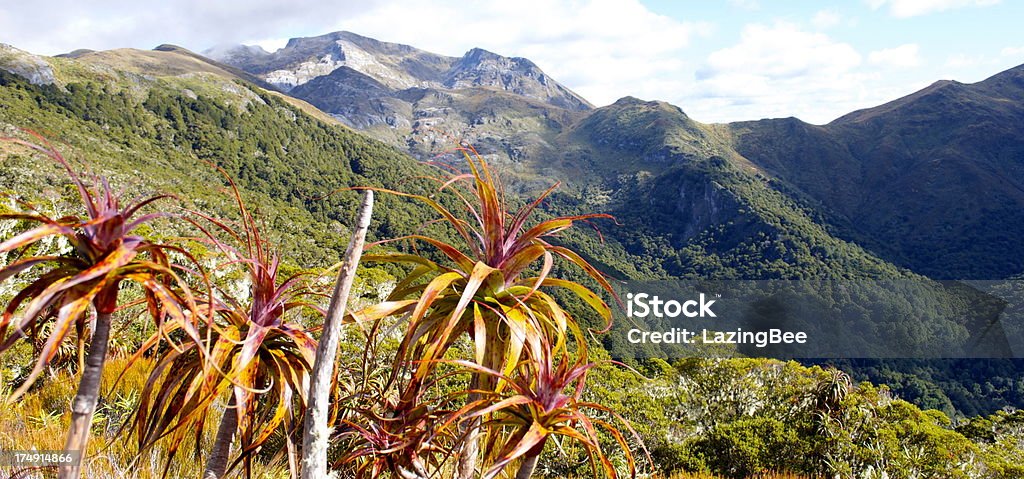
{"type": "Point", "coordinates": [289, 163]}
{"type": "Point", "coordinates": [733, 417]}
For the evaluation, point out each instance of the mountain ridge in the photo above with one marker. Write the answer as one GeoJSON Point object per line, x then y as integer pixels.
{"type": "Point", "coordinates": [397, 65]}
{"type": "Point", "coordinates": [931, 181]}
{"type": "Point", "coordinates": [691, 201]}
{"type": "Point", "coordinates": [931, 171]}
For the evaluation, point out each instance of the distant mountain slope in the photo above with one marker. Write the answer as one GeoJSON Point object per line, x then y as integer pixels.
{"type": "Point", "coordinates": [397, 66]}
{"type": "Point", "coordinates": [151, 121]}
{"type": "Point", "coordinates": [164, 60]}
{"type": "Point", "coordinates": [693, 206]}
{"type": "Point", "coordinates": [696, 207]}
{"type": "Point", "coordinates": [418, 100]}
{"type": "Point", "coordinates": [168, 61]}
{"type": "Point", "coordinates": [933, 181]}
{"type": "Point", "coordinates": [692, 200]}
{"type": "Point", "coordinates": [509, 109]}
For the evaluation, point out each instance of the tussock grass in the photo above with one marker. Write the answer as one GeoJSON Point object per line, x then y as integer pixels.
{"type": "Point", "coordinates": [40, 419]}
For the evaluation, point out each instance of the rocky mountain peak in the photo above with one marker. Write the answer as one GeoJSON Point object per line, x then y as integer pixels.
{"type": "Point", "coordinates": [376, 46]}
{"type": "Point", "coordinates": [479, 56]}
{"type": "Point", "coordinates": [398, 67]}
{"type": "Point", "coordinates": [303, 59]}
{"type": "Point", "coordinates": [481, 68]}
{"type": "Point", "coordinates": [479, 61]}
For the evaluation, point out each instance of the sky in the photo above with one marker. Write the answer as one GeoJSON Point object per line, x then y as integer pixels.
{"type": "Point", "coordinates": [718, 60]}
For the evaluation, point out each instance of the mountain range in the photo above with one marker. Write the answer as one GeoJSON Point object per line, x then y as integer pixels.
{"type": "Point", "coordinates": [928, 185]}
{"type": "Point", "coordinates": [931, 182]}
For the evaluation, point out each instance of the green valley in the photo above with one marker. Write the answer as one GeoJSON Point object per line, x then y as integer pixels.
{"type": "Point", "coordinates": [881, 193]}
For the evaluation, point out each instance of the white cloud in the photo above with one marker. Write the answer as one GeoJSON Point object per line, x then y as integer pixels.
{"type": "Point", "coordinates": [903, 56]}
{"type": "Point", "coordinates": [781, 70]}
{"type": "Point", "coordinates": [1012, 51]}
{"type": "Point", "coordinates": [826, 19]}
{"type": "Point", "coordinates": [603, 49]}
{"type": "Point", "coordinates": [65, 25]}
{"type": "Point", "coordinates": [913, 8]}
{"type": "Point", "coordinates": [781, 51]}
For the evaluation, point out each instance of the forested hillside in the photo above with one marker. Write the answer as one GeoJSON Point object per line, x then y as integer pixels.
{"type": "Point", "coordinates": [686, 206]}
{"type": "Point", "coordinates": [685, 203]}
{"type": "Point", "coordinates": [930, 182]}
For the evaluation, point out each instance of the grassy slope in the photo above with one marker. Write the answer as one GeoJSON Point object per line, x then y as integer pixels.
{"type": "Point", "coordinates": [144, 131]}
{"type": "Point", "coordinates": [732, 221]}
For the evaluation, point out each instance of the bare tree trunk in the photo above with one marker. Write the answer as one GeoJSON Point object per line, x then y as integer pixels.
{"type": "Point", "coordinates": [468, 455]}
{"type": "Point", "coordinates": [217, 463]}
{"type": "Point", "coordinates": [84, 405]}
{"type": "Point", "coordinates": [316, 433]}
{"type": "Point", "coordinates": [470, 451]}
{"type": "Point", "coordinates": [528, 466]}
{"type": "Point", "coordinates": [80, 346]}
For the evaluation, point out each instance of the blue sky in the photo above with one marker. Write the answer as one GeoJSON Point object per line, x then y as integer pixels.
{"type": "Point", "coordinates": [723, 60]}
{"type": "Point", "coordinates": [895, 48]}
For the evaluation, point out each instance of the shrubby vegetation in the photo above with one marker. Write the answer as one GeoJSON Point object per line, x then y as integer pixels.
{"type": "Point", "coordinates": [729, 417]}
{"type": "Point", "coordinates": [742, 417]}
{"type": "Point", "coordinates": [148, 131]}
{"type": "Point", "coordinates": [287, 161]}
{"type": "Point", "coordinates": [528, 367]}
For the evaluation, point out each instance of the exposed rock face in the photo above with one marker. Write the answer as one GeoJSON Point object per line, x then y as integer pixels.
{"type": "Point", "coordinates": [356, 99]}
{"type": "Point", "coordinates": [302, 73]}
{"type": "Point", "coordinates": [481, 68]}
{"type": "Point", "coordinates": [303, 59]}
{"type": "Point", "coordinates": [25, 64]}
{"type": "Point", "coordinates": [701, 206]}
{"type": "Point", "coordinates": [417, 100]}
{"type": "Point", "coordinates": [399, 67]}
